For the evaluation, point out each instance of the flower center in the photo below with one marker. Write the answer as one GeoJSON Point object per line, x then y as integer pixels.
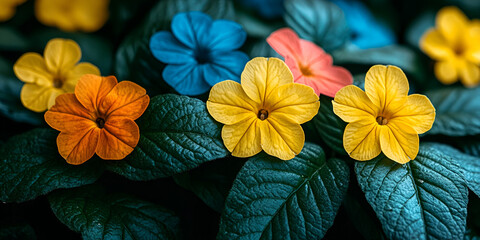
{"type": "Point", "coordinates": [382, 120]}
{"type": "Point", "coordinates": [458, 49]}
{"type": "Point", "coordinates": [305, 70]}
{"type": "Point", "coordinates": [263, 114]}
{"type": "Point", "coordinates": [100, 122]}
{"type": "Point", "coordinates": [57, 82]}
{"type": "Point", "coordinates": [202, 55]}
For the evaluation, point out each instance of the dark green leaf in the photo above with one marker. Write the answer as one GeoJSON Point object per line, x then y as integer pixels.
{"type": "Point", "coordinates": [367, 225]}
{"type": "Point", "coordinates": [212, 181]}
{"type": "Point", "coordinates": [176, 135]}
{"type": "Point", "coordinates": [423, 199]}
{"type": "Point", "coordinates": [469, 144]}
{"type": "Point", "coordinates": [275, 199]}
{"type": "Point", "coordinates": [96, 215]}
{"type": "Point", "coordinates": [457, 111]}
{"type": "Point", "coordinates": [328, 125]}
{"type": "Point", "coordinates": [321, 22]}
{"type": "Point", "coordinates": [17, 231]}
{"type": "Point", "coordinates": [134, 60]}
{"type": "Point", "coordinates": [31, 166]}
{"type": "Point", "coordinates": [419, 27]}
{"type": "Point", "coordinates": [12, 40]}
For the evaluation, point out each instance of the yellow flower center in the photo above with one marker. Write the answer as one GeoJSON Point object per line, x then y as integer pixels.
{"type": "Point", "coordinates": [305, 70]}
{"type": "Point", "coordinates": [382, 120]}
{"type": "Point", "coordinates": [459, 49]}
{"type": "Point", "coordinates": [263, 114]}
{"type": "Point", "coordinates": [57, 82]}
{"type": "Point", "coordinates": [100, 122]}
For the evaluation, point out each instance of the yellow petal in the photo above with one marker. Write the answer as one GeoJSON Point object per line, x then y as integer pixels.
{"type": "Point", "coordinates": [229, 104]}
{"type": "Point", "coordinates": [386, 85]}
{"type": "Point", "coordinates": [31, 68]}
{"type": "Point", "coordinates": [76, 72]}
{"type": "Point", "coordinates": [397, 143]}
{"type": "Point", "coordinates": [61, 55]}
{"type": "Point", "coordinates": [242, 139]}
{"type": "Point", "coordinates": [361, 140]}
{"type": "Point", "coordinates": [352, 104]}
{"type": "Point", "coordinates": [261, 76]}
{"type": "Point", "coordinates": [35, 97]}
{"type": "Point", "coordinates": [435, 45]}
{"type": "Point", "coordinates": [53, 95]}
{"type": "Point", "coordinates": [281, 138]}
{"type": "Point", "coordinates": [471, 40]}
{"type": "Point", "coordinates": [469, 74]}
{"type": "Point", "coordinates": [452, 23]}
{"type": "Point", "coordinates": [446, 71]}
{"type": "Point", "coordinates": [296, 102]}
{"type": "Point", "coordinates": [418, 112]}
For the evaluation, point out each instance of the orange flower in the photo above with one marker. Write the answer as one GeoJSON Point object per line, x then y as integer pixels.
{"type": "Point", "coordinates": [98, 118]}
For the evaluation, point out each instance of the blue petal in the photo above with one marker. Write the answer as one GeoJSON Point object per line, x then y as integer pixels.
{"type": "Point", "coordinates": [191, 28]}
{"type": "Point", "coordinates": [168, 50]}
{"type": "Point", "coordinates": [226, 35]}
{"type": "Point", "coordinates": [225, 66]}
{"type": "Point", "coordinates": [186, 79]}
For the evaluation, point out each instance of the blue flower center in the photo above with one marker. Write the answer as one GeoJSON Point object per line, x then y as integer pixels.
{"type": "Point", "coordinates": [202, 55]}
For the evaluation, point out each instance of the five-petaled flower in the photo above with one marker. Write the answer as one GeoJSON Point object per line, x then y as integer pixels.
{"type": "Point", "coordinates": [309, 64]}
{"type": "Point", "coordinates": [72, 15]}
{"type": "Point", "coordinates": [55, 73]}
{"type": "Point", "coordinates": [454, 45]}
{"type": "Point", "coordinates": [98, 118]}
{"type": "Point", "coordinates": [200, 52]}
{"type": "Point", "coordinates": [383, 118]}
{"type": "Point", "coordinates": [264, 111]}
{"type": "Point", "coordinates": [7, 8]}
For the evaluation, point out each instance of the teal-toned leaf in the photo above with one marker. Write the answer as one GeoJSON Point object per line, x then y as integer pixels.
{"type": "Point", "coordinates": [176, 135]}
{"type": "Point", "coordinates": [319, 21]}
{"type": "Point", "coordinates": [419, 27]}
{"type": "Point", "coordinates": [212, 181]}
{"type": "Point", "coordinates": [135, 62]}
{"type": "Point", "coordinates": [12, 40]}
{"type": "Point", "coordinates": [31, 166]}
{"type": "Point", "coordinates": [457, 111]}
{"type": "Point", "coordinates": [468, 144]}
{"type": "Point", "coordinates": [328, 126]}
{"type": "Point", "coordinates": [275, 199]}
{"type": "Point", "coordinates": [96, 215]}
{"type": "Point", "coordinates": [423, 199]}
{"type": "Point", "coordinates": [365, 223]}
{"type": "Point", "coordinates": [260, 48]}
{"type": "Point", "coordinates": [17, 231]}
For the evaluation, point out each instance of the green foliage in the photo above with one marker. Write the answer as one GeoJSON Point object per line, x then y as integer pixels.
{"type": "Point", "coordinates": [176, 135]}
{"type": "Point", "coordinates": [457, 111]}
{"type": "Point", "coordinates": [97, 215]}
{"type": "Point", "coordinates": [319, 21]}
{"type": "Point", "coordinates": [17, 231]}
{"type": "Point", "coordinates": [272, 199]}
{"type": "Point", "coordinates": [12, 39]}
{"type": "Point", "coordinates": [423, 199]}
{"type": "Point", "coordinates": [31, 166]}
{"type": "Point", "coordinates": [134, 60]}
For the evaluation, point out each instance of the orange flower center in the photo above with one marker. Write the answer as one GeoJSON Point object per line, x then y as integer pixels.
{"type": "Point", "coordinates": [382, 120]}
{"type": "Point", "coordinates": [100, 122]}
{"type": "Point", "coordinates": [305, 70]}
{"type": "Point", "coordinates": [57, 82]}
{"type": "Point", "coordinates": [262, 114]}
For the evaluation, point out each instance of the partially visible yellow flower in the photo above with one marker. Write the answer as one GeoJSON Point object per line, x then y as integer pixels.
{"type": "Point", "coordinates": [264, 111]}
{"type": "Point", "coordinates": [7, 8]}
{"type": "Point", "coordinates": [72, 15]}
{"type": "Point", "coordinates": [55, 73]}
{"type": "Point", "coordinates": [454, 44]}
{"type": "Point", "coordinates": [383, 118]}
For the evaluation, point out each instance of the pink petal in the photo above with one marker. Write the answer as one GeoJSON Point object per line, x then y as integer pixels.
{"type": "Point", "coordinates": [312, 53]}
{"type": "Point", "coordinates": [286, 43]}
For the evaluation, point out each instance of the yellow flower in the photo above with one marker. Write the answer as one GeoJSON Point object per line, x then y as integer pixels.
{"type": "Point", "coordinates": [454, 45]}
{"type": "Point", "coordinates": [264, 111]}
{"type": "Point", "coordinates": [55, 73]}
{"type": "Point", "coordinates": [72, 15]}
{"type": "Point", "coordinates": [383, 118]}
{"type": "Point", "coordinates": [7, 8]}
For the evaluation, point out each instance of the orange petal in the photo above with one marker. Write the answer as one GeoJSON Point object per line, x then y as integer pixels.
{"type": "Point", "coordinates": [118, 138]}
{"type": "Point", "coordinates": [74, 75]}
{"type": "Point", "coordinates": [127, 99]}
{"type": "Point", "coordinates": [91, 89]}
{"type": "Point", "coordinates": [66, 114]}
{"type": "Point", "coordinates": [286, 43]}
{"type": "Point", "coordinates": [78, 146]}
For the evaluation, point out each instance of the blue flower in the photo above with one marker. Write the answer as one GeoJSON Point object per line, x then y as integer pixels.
{"type": "Point", "coordinates": [366, 30]}
{"type": "Point", "coordinates": [266, 8]}
{"type": "Point", "coordinates": [199, 52]}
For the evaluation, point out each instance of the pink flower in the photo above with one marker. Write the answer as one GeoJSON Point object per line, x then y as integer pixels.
{"type": "Point", "coordinates": [309, 64]}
